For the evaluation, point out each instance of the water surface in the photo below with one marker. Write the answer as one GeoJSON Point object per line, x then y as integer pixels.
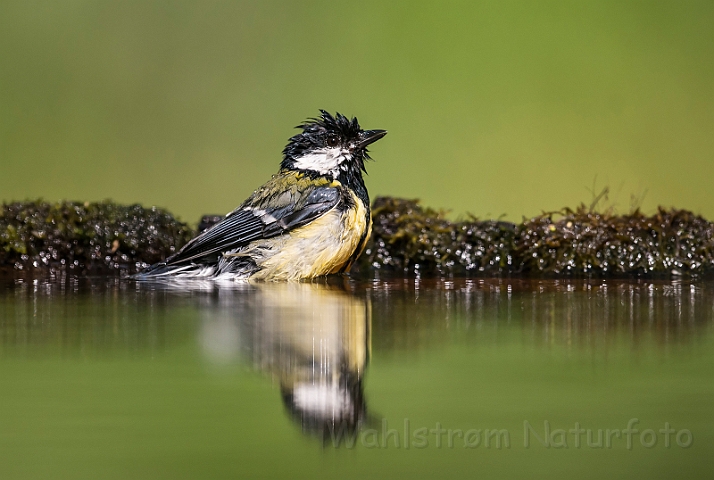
{"type": "Point", "coordinates": [408, 378]}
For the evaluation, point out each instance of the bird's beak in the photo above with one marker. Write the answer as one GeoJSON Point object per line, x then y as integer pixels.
{"type": "Point", "coordinates": [368, 137]}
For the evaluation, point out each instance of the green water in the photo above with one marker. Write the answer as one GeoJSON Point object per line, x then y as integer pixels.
{"type": "Point", "coordinates": [107, 378]}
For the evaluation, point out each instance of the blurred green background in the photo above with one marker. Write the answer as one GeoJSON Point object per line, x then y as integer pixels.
{"type": "Point", "coordinates": [493, 107]}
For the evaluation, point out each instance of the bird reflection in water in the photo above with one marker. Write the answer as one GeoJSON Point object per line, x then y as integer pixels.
{"type": "Point", "coordinates": [314, 339]}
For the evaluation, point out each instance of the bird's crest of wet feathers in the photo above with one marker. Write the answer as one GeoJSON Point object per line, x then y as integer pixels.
{"type": "Point", "coordinates": [315, 130]}
{"type": "Point", "coordinates": [338, 124]}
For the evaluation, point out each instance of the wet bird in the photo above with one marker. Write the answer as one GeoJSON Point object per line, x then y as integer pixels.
{"type": "Point", "coordinates": [310, 219]}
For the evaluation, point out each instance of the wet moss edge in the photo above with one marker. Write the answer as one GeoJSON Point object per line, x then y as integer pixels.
{"type": "Point", "coordinates": [407, 238]}
{"type": "Point", "coordinates": [410, 238]}
{"type": "Point", "coordinates": [87, 237]}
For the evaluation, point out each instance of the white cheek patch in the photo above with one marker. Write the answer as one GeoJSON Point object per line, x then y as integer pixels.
{"type": "Point", "coordinates": [327, 160]}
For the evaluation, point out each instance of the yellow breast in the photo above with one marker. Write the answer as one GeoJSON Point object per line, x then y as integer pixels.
{"type": "Point", "coordinates": [322, 247]}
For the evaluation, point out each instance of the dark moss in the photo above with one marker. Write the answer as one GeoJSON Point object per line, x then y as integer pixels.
{"type": "Point", "coordinates": [409, 238]}
{"type": "Point", "coordinates": [406, 238]}
{"type": "Point", "coordinates": [584, 242]}
{"type": "Point", "coordinates": [87, 237]}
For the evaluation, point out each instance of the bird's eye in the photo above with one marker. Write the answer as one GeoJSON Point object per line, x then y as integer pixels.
{"type": "Point", "coordinates": [332, 140]}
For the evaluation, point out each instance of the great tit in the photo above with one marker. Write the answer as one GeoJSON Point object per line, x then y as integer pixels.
{"type": "Point", "coordinates": [310, 219]}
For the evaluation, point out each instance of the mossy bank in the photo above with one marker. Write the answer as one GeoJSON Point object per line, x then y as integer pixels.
{"type": "Point", "coordinates": [87, 238]}
{"type": "Point", "coordinates": [407, 238]}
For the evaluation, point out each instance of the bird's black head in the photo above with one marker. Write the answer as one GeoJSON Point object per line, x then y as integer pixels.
{"type": "Point", "coordinates": [334, 146]}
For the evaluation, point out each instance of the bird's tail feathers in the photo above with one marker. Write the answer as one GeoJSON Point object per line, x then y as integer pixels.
{"type": "Point", "coordinates": [159, 270]}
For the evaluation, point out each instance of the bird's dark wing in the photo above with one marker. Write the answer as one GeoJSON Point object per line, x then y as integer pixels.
{"type": "Point", "coordinates": [265, 214]}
